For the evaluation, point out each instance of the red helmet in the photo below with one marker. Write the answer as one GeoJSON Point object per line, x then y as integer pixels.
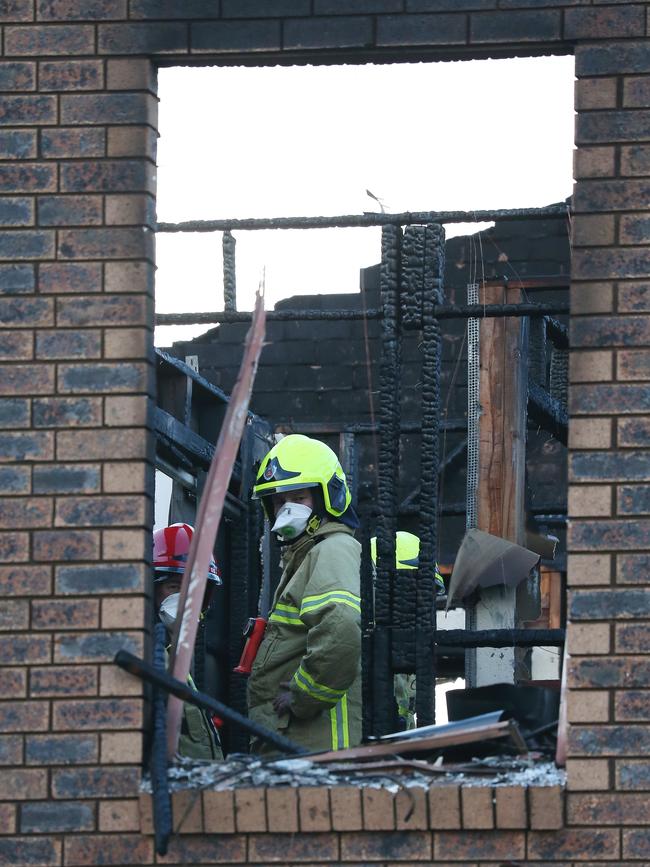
{"type": "Point", "coordinates": [171, 546]}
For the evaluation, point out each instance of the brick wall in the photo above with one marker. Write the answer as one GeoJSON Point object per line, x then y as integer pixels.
{"type": "Point", "coordinates": [77, 176]}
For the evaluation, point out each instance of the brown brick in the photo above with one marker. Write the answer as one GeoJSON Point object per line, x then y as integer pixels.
{"type": "Point", "coordinates": [28, 177]}
{"type": "Point", "coordinates": [23, 785]}
{"type": "Point", "coordinates": [71, 75]}
{"type": "Point", "coordinates": [65, 614]}
{"type": "Point", "coordinates": [13, 682]}
{"type": "Point", "coordinates": [69, 749]}
{"type": "Point", "coordinates": [24, 716]}
{"type": "Point", "coordinates": [14, 614]}
{"type": "Point", "coordinates": [444, 807]}
{"type": "Point", "coordinates": [120, 748]}
{"type": "Point", "coordinates": [126, 411]}
{"type": "Point", "coordinates": [114, 681]}
{"type": "Point", "coordinates": [314, 809]}
{"type": "Point", "coordinates": [635, 160]}
{"type": "Point", "coordinates": [614, 809]}
{"type": "Point", "coordinates": [600, 673]}
{"type": "Point", "coordinates": [69, 10]}
{"type": "Point", "coordinates": [386, 846]}
{"type": "Point", "coordinates": [27, 379]}
{"type": "Point", "coordinates": [70, 210]}
{"type": "Point", "coordinates": [587, 774]}
{"type": "Point", "coordinates": [633, 499]}
{"type": "Point", "coordinates": [97, 444]}
{"type": "Point", "coordinates": [633, 364]}
{"type": "Point", "coordinates": [411, 809]}
{"type": "Point", "coordinates": [15, 480]}
{"type": "Point", "coordinates": [593, 230]}
{"type": "Point", "coordinates": [16, 347]}
{"type": "Point", "coordinates": [145, 809]}
{"type": "Point", "coordinates": [219, 812]}
{"type": "Point", "coordinates": [546, 807]}
{"type": "Point", "coordinates": [131, 141]}
{"type": "Point", "coordinates": [592, 298]}
{"type": "Point", "coordinates": [25, 649]}
{"type": "Point", "coordinates": [101, 311]}
{"type": "Point", "coordinates": [127, 849]}
{"type": "Point", "coordinates": [594, 162]}
{"type": "Point", "coordinates": [345, 805]}
{"type": "Point", "coordinates": [127, 343]}
{"type": "Point", "coordinates": [510, 806]}
{"type": "Point", "coordinates": [125, 544]}
{"type": "Point", "coordinates": [128, 477]}
{"type": "Point", "coordinates": [25, 581]}
{"type": "Point", "coordinates": [378, 809]}
{"type": "Point", "coordinates": [25, 512]}
{"type": "Point", "coordinates": [131, 74]}
{"type": "Point", "coordinates": [123, 613]}
{"type": "Point", "coordinates": [588, 569]}
{"type": "Point", "coordinates": [68, 681]}
{"type": "Point", "coordinates": [127, 277]}
{"type": "Point", "coordinates": [103, 713]}
{"type": "Point", "coordinates": [67, 412]}
{"type": "Point", "coordinates": [588, 706]}
{"type": "Point", "coordinates": [604, 23]}
{"type": "Point", "coordinates": [634, 229]}
{"type": "Point", "coordinates": [633, 432]}
{"type": "Point", "coordinates": [50, 39]}
{"type": "Point", "coordinates": [119, 816]}
{"type": "Point", "coordinates": [282, 809]}
{"type": "Point", "coordinates": [66, 545]}
{"type": "Point", "coordinates": [70, 277]}
{"type": "Point", "coordinates": [8, 818]}
{"type": "Point", "coordinates": [14, 414]}
{"type": "Point", "coordinates": [477, 807]}
{"type": "Point", "coordinates": [44, 851]}
{"type": "Point", "coordinates": [186, 808]}
{"type": "Point", "coordinates": [590, 433]}
{"type": "Point", "coordinates": [105, 578]}
{"type": "Point", "coordinates": [130, 210]}
{"type": "Point", "coordinates": [632, 775]}
{"type": "Point", "coordinates": [609, 195]}
{"type": "Point", "coordinates": [636, 843]}
{"type": "Point", "coordinates": [594, 93]}
{"type": "Point", "coordinates": [20, 311]}
{"type": "Point", "coordinates": [589, 638]}
{"type": "Point", "coordinates": [196, 849]}
{"type": "Point", "coordinates": [479, 845]}
{"type": "Point", "coordinates": [636, 91]}
{"type": "Point", "coordinates": [114, 108]}
{"type": "Point", "coordinates": [250, 809]}
{"type": "Point", "coordinates": [29, 244]}
{"type": "Point", "coordinates": [590, 500]}
{"type": "Point", "coordinates": [14, 547]}
{"type": "Point", "coordinates": [591, 366]}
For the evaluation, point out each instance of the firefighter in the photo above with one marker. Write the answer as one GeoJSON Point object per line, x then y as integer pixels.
{"type": "Point", "coordinates": [199, 738]}
{"type": "Point", "coordinates": [305, 682]}
{"type": "Point", "coordinates": [407, 553]}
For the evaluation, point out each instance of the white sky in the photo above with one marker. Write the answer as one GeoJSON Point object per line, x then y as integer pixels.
{"type": "Point", "coordinates": [290, 141]}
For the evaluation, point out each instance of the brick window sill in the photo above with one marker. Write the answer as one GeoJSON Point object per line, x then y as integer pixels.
{"type": "Point", "coordinates": [318, 809]}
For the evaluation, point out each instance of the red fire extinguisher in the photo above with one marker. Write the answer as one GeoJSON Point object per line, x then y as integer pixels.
{"type": "Point", "coordinates": [253, 633]}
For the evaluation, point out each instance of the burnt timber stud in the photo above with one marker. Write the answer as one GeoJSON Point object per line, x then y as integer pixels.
{"type": "Point", "coordinates": [162, 805]}
{"type": "Point", "coordinates": [229, 272]}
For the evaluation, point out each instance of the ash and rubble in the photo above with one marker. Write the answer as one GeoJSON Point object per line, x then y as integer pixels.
{"type": "Point", "coordinates": [243, 771]}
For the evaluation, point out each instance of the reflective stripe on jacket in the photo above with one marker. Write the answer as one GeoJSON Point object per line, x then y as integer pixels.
{"type": "Point", "coordinates": [313, 643]}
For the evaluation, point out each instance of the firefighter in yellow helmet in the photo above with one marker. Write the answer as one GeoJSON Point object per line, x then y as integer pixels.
{"type": "Point", "coordinates": [407, 553]}
{"type": "Point", "coordinates": [305, 682]}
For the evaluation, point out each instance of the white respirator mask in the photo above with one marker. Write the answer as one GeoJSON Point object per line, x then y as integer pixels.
{"type": "Point", "coordinates": [291, 521]}
{"type": "Point", "coordinates": [168, 611]}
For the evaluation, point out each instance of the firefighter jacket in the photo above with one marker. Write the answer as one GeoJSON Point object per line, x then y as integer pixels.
{"type": "Point", "coordinates": [198, 737]}
{"type": "Point", "coordinates": [313, 643]}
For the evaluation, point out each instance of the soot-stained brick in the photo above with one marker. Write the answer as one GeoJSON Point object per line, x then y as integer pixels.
{"type": "Point", "coordinates": [70, 211]}
{"type": "Point", "coordinates": [27, 110]}
{"type": "Point", "coordinates": [632, 568]}
{"type": "Point", "coordinates": [16, 211]}
{"type": "Point", "coordinates": [569, 843]}
{"type": "Point", "coordinates": [421, 30]}
{"type": "Point", "coordinates": [27, 379]}
{"type": "Point", "coordinates": [100, 511]}
{"type": "Point", "coordinates": [68, 344]}
{"type": "Point", "coordinates": [16, 279]}
{"type": "Point", "coordinates": [633, 776]}
{"type": "Point", "coordinates": [70, 277]}
{"type": "Point", "coordinates": [11, 750]}
{"type": "Point", "coordinates": [103, 713]}
{"type": "Point", "coordinates": [614, 58]}
{"type": "Point", "coordinates": [119, 849]}
{"type": "Point", "coordinates": [515, 26]}
{"type": "Point", "coordinates": [65, 614]}
{"type": "Point", "coordinates": [20, 311]}
{"type": "Point", "coordinates": [159, 38]}
{"type": "Point", "coordinates": [25, 512]}
{"type": "Point", "coordinates": [17, 144]}
{"type": "Point", "coordinates": [102, 578]}
{"type": "Point", "coordinates": [14, 547]}
{"type": "Point", "coordinates": [14, 412]}
{"type": "Point", "coordinates": [56, 818]}
{"type": "Point", "coordinates": [618, 466]}
{"type": "Point", "coordinates": [473, 845]}
{"type": "Point", "coordinates": [50, 39]}
{"type": "Point", "coordinates": [25, 581]}
{"type": "Point", "coordinates": [133, 243]}
{"type": "Point", "coordinates": [17, 346]}
{"type": "Point", "coordinates": [95, 647]}
{"type": "Point", "coordinates": [73, 749]}
{"type": "Point", "coordinates": [118, 377]}
{"type": "Point", "coordinates": [623, 740]}
{"type": "Point", "coordinates": [15, 480]}
{"type": "Point", "coordinates": [603, 535]}
{"type": "Point", "coordinates": [25, 649]}
{"type": "Point", "coordinates": [69, 10]}
{"type": "Point", "coordinates": [95, 783]}
{"type": "Point", "coordinates": [223, 36]}
{"type": "Point", "coordinates": [71, 75]}
{"type": "Point", "coordinates": [604, 673]}
{"type": "Point", "coordinates": [70, 143]}
{"type": "Point", "coordinates": [66, 545]}
{"type": "Point", "coordinates": [608, 604]}
{"type": "Point", "coordinates": [633, 500]}
{"type": "Point", "coordinates": [113, 108]}
{"type": "Point", "coordinates": [63, 680]}
{"type": "Point", "coordinates": [255, 8]}
{"type": "Point", "coordinates": [27, 244]}
{"type": "Point", "coordinates": [67, 479]}
{"type": "Point", "coordinates": [24, 716]}
{"type": "Point", "coordinates": [43, 851]}
{"type": "Point", "coordinates": [196, 849]}
{"type": "Point", "coordinates": [67, 412]}
{"type": "Point", "coordinates": [17, 75]}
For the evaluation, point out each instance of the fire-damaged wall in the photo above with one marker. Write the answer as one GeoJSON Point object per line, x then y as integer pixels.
{"type": "Point", "coordinates": [321, 376]}
{"type": "Point", "coordinates": [77, 144]}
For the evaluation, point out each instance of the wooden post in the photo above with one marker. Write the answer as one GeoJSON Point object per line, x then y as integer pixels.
{"type": "Point", "coordinates": [502, 465]}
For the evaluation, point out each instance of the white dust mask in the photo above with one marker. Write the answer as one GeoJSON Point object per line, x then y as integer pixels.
{"type": "Point", "coordinates": [291, 521]}
{"type": "Point", "coordinates": [169, 610]}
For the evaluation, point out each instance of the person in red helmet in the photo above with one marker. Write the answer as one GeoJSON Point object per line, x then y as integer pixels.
{"type": "Point", "coordinates": [199, 738]}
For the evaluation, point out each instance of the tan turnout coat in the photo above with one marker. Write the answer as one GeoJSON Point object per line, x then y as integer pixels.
{"type": "Point", "coordinates": [313, 642]}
